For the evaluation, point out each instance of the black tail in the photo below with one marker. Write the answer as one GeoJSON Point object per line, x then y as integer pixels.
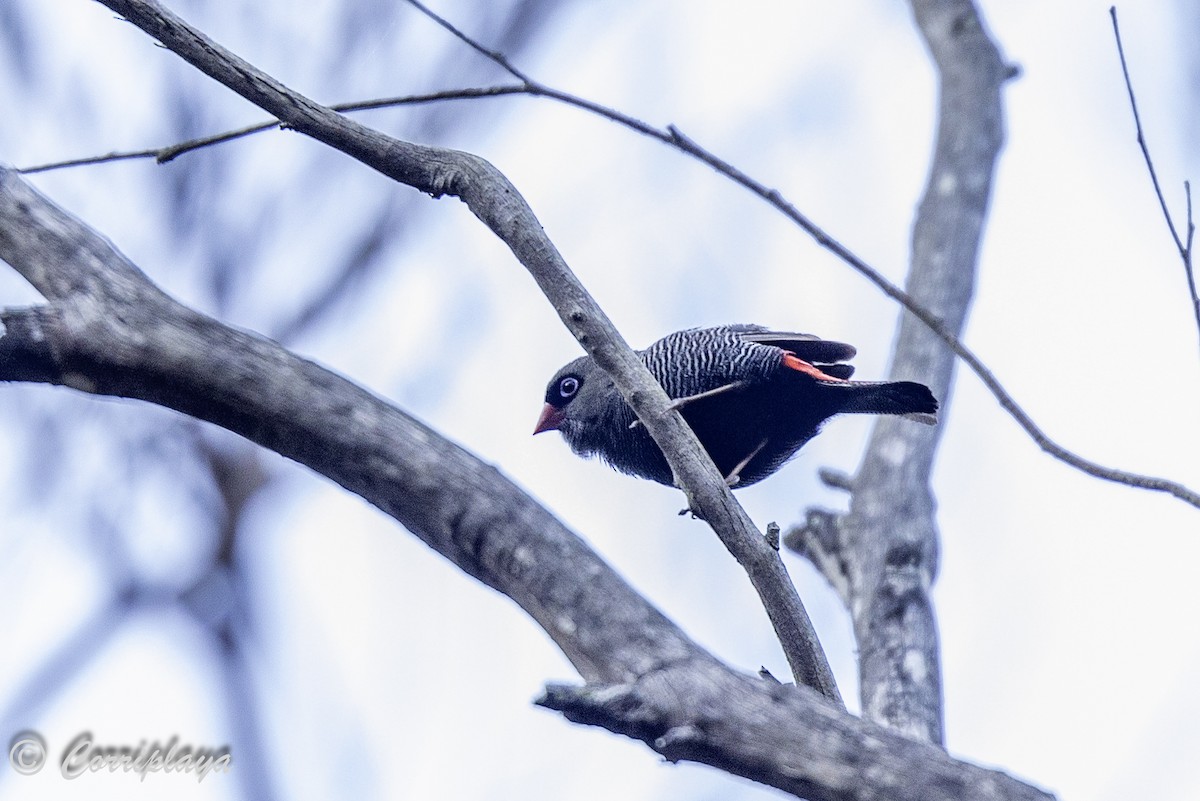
{"type": "Point", "coordinates": [889, 397]}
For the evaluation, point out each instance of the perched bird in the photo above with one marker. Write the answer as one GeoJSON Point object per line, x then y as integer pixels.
{"type": "Point", "coordinates": [753, 397]}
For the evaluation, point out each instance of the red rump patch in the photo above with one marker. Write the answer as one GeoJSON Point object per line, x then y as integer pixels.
{"type": "Point", "coordinates": [794, 362]}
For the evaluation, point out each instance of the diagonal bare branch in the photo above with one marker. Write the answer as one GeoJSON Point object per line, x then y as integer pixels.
{"type": "Point", "coordinates": [497, 203]}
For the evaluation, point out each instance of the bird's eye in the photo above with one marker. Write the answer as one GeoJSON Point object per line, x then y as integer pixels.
{"type": "Point", "coordinates": [568, 387]}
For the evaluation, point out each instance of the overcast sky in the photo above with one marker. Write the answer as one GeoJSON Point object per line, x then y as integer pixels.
{"type": "Point", "coordinates": [1067, 606]}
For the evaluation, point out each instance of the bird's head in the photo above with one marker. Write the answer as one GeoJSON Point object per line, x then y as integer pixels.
{"type": "Point", "coordinates": [575, 398]}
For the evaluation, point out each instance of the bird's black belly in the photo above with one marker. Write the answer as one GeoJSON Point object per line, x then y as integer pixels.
{"type": "Point", "coordinates": [775, 418]}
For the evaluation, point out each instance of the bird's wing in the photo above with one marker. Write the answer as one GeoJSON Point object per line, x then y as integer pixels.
{"type": "Point", "coordinates": [842, 371]}
{"type": "Point", "coordinates": [808, 347]}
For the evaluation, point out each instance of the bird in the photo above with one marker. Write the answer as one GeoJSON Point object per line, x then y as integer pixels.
{"type": "Point", "coordinates": [753, 397]}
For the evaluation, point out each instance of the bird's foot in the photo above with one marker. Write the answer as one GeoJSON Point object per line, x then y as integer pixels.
{"type": "Point", "coordinates": [735, 475]}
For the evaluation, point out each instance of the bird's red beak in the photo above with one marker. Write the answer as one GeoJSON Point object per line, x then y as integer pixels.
{"type": "Point", "coordinates": [550, 420]}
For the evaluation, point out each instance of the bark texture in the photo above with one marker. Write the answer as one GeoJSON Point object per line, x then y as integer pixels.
{"type": "Point", "coordinates": [882, 555]}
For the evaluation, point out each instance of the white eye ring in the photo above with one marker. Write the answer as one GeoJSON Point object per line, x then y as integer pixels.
{"type": "Point", "coordinates": [568, 387]}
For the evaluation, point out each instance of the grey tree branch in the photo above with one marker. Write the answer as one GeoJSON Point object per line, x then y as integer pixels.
{"type": "Point", "coordinates": [106, 329]}
{"type": "Point", "coordinates": [493, 199]}
{"type": "Point", "coordinates": [882, 555]}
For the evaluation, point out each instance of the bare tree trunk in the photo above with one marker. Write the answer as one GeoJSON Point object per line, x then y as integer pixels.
{"type": "Point", "coordinates": [882, 555]}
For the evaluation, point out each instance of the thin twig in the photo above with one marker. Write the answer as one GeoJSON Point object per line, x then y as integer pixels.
{"type": "Point", "coordinates": [1184, 246]}
{"type": "Point", "coordinates": [165, 154]}
{"type": "Point", "coordinates": [674, 137]}
{"type": "Point", "coordinates": [491, 55]}
{"type": "Point", "coordinates": [1188, 251]}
